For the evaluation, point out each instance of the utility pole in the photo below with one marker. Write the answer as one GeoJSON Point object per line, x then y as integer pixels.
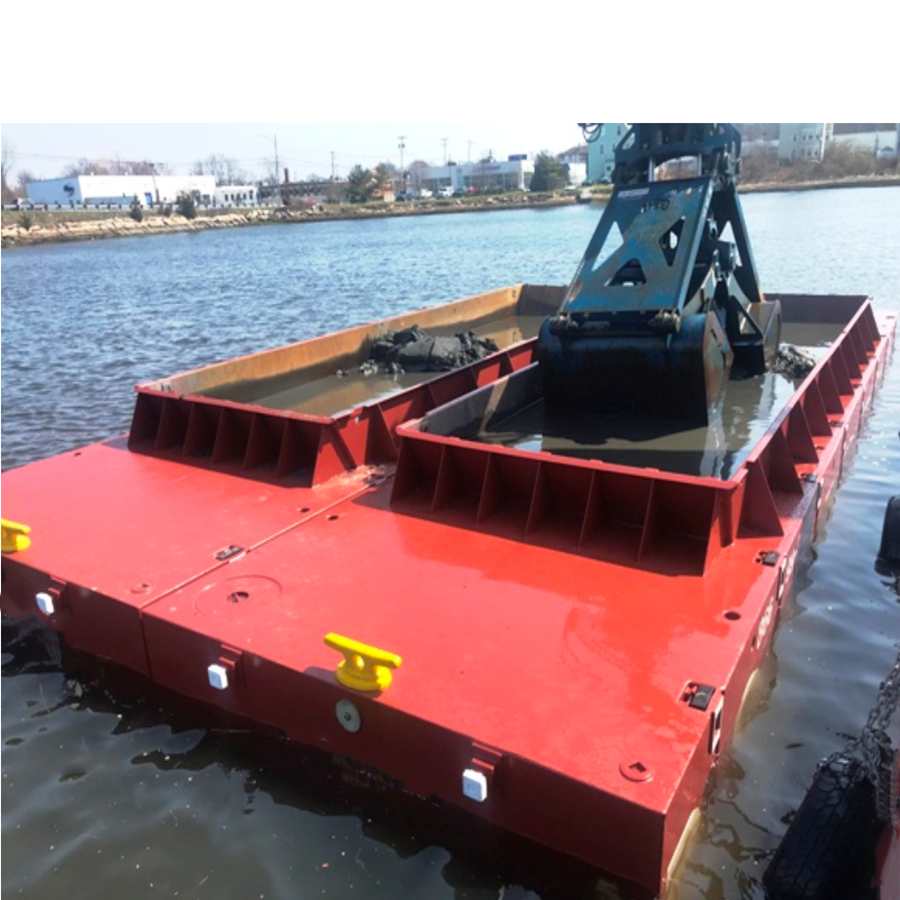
{"type": "Point", "coordinates": [402, 146]}
{"type": "Point", "coordinates": [444, 142]}
{"type": "Point", "coordinates": [155, 201]}
{"type": "Point", "coordinates": [277, 180]}
{"type": "Point", "coordinates": [332, 166]}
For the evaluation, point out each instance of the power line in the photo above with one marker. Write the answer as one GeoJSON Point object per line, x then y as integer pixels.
{"type": "Point", "coordinates": [245, 160]}
{"type": "Point", "coordinates": [258, 161]}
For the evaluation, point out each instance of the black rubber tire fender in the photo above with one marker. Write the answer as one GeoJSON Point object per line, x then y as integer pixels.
{"type": "Point", "coordinates": [828, 852]}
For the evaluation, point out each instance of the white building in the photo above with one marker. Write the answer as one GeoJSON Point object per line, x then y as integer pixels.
{"type": "Point", "coordinates": [804, 141]}
{"type": "Point", "coordinates": [120, 190]}
{"type": "Point", "coordinates": [577, 172]}
{"type": "Point", "coordinates": [236, 195]}
{"type": "Point", "coordinates": [576, 159]}
{"type": "Point", "coordinates": [512, 174]}
{"type": "Point", "coordinates": [602, 151]}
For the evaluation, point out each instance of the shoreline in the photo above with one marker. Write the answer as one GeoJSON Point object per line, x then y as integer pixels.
{"type": "Point", "coordinates": [63, 226]}
{"type": "Point", "coordinates": [774, 187]}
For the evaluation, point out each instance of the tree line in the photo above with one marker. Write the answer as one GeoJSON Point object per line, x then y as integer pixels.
{"type": "Point", "coordinates": [363, 183]}
{"type": "Point", "coordinates": [759, 164]}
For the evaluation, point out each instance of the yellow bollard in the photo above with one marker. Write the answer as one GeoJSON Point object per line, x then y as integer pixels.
{"type": "Point", "coordinates": [14, 536]}
{"type": "Point", "coordinates": [364, 668]}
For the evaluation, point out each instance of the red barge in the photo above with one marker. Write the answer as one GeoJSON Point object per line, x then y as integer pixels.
{"type": "Point", "coordinates": [557, 641]}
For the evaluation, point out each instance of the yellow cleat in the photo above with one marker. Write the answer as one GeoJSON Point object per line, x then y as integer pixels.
{"type": "Point", "coordinates": [15, 536]}
{"type": "Point", "coordinates": [364, 668]}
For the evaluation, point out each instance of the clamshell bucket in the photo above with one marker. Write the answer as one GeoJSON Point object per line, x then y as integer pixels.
{"type": "Point", "coordinates": [666, 296]}
{"type": "Point", "coordinates": [678, 376]}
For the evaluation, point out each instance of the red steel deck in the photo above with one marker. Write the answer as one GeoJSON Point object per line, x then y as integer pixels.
{"type": "Point", "coordinates": [576, 637]}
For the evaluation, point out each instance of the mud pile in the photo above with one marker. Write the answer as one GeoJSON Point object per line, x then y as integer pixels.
{"type": "Point", "coordinates": [414, 350]}
{"type": "Point", "coordinates": [793, 363]}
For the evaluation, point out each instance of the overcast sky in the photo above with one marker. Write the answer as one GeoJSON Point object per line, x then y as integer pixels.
{"type": "Point", "coordinates": [45, 150]}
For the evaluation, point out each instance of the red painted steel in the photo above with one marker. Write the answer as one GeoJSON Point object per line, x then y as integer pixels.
{"type": "Point", "coordinates": [118, 531]}
{"type": "Point", "coordinates": [290, 447]}
{"type": "Point", "coordinates": [557, 619]}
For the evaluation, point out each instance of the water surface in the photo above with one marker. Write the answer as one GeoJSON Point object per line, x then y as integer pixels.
{"type": "Point", "coordinates": [109, 794]}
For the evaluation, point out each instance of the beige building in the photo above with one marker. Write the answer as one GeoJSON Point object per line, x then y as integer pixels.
{"type": "Point", "coordinates": [803, 141]}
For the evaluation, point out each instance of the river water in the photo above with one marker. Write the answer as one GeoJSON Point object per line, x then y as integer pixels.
{"type": "Point", "coordinates": [109, 793]}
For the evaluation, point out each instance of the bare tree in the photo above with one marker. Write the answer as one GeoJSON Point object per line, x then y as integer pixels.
{"type": "Point", "coordinates": [144, 167]}
{"type": "Point", "coordinates": [234, 172]}
{"type": "Point", "coordinates": [114, 167]}
{"type": "Point", "coordinates": [87, 167]}
{"type": "Point", "coordinates": [416, 173]}
{"type": "Point", "coordinates": [384, 175]}
{"type": "Point", "coordinates": [22, 180]}
{"type": "Point", "coordinates": [223, 168]}
{"type": "Point", "coordinates": [389, 169]}
{"type": "Point", "coordinates": [217, 166]}
{"type": "Point", "coordinates": [7, 160]}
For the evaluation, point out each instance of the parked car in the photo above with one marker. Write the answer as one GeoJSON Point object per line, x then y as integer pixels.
{"type": "Point", "coordinates": [446, 192]}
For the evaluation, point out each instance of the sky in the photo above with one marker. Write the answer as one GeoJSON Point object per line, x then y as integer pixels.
{"type": "Point", "coordinates": [526, 72]}
{"type": "Point", "coordinates": [45, 150]}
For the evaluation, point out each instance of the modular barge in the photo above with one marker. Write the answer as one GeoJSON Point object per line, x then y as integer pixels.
{"type": "Point", "coordinates": [569, 638]}
{"type": "Point", "coordinates": [536, 586]}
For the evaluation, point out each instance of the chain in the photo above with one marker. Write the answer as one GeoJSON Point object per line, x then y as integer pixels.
{"type": "Point", "coordinates": [874, 750]}
{"type": "Point", "coordinates": [888, 699]}
{"type": "Point", "coordinates": [893, 791]}
{"type": "Point", "coordinates": [879, 722]}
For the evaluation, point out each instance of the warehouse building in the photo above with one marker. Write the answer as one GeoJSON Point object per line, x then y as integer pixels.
{"type": "Point", "coordinates": [120, 190]}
